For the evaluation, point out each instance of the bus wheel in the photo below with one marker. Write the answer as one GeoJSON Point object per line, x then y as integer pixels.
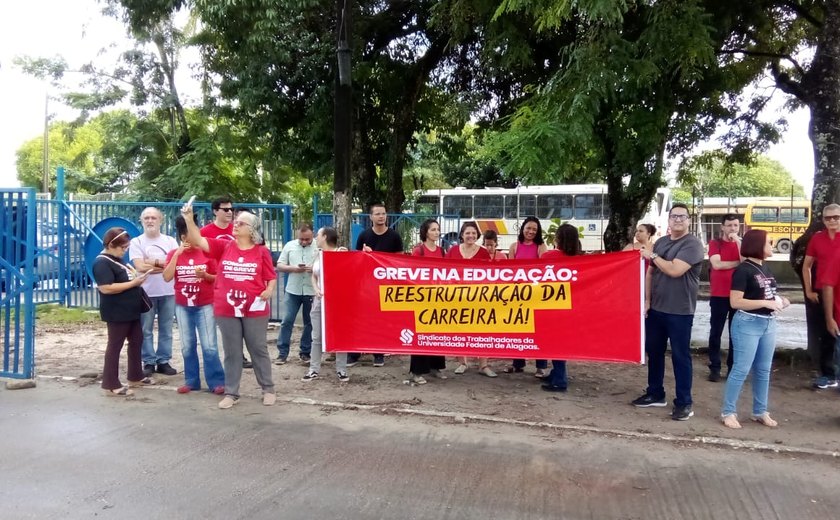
{"type": "Point", "coordinates": [784, 246]}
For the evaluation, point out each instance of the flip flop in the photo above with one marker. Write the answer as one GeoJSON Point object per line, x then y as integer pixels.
{"type": "Point", "coordinates": [120, 392]}
{"type": "Point", "coordinates": [143, 382]}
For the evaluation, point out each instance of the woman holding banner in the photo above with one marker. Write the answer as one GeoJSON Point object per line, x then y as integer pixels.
{"type": "Point", "coordinates": [245, 284]}
{"type": "Point", "coordinates": [469, 250]}
{"type": "Point", "coordinates": [428, 247]}
{"type": "Point", "coordinates": [566, 243]}
{"type": "Point", "coordinates": [326, 240]}
{"type": "Point", "coordinates": [528, 246]}
{"type": "Point", "coordinates": [754, 296]}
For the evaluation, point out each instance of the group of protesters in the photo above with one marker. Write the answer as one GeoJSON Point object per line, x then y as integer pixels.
{"type": "Point", "coordinates": [222, 276]}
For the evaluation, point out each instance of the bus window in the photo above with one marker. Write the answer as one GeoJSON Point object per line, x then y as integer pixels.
{"type": "Point", "coordinates": [427, 205]}
{"type": "Point", "coordinates": [460, 205]}
{"type": "Point", "coordinates": [588, 207]}
{"type": "Point", "coordinates": [511, 207]}
{"type": "Point", "coordinates": [527, 205]}
{"type": "Point", "coordinates": [554, 206]}
{"type": "Point", "coordinates": [764, 214]}
{"type": "Point", "coordinates": [800, 215]}
{"type": "Point", "coordinates": [488, 206]}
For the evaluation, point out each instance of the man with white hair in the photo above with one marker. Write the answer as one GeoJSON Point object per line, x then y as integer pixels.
{"type": "Point", "coordinates": [148, 253]}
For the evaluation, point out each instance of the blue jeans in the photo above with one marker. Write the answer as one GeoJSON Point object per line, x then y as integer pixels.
{"type": "Point", "coordinates": [755, 343]}
{"type": "Point", "coordinates": [558, 377]}
{"type": "Point", "coordinates": [719, 311]}
{"type": "Point", "coordinates": [293, 303]}
{"type": "Point", "coordinates": [164, 308]}
{"type": "Point", "coordinates": [659, 328]}
{"type": "Point", "coordinates": [192, 320]}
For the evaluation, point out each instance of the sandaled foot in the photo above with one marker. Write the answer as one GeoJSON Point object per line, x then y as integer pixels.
{"type": "Point", "coordinates": [765, 419]}
{"type": "Point", "coordinates": [730, 421]}
{"type": "Point", "coordinates": [146, 381]}
{"type": "Point", "coordinates": [417, 379]}
{"type": "Point", "coordinates": [119, 392]}
{"type": "Point", "coordinates": [540, 373]}
{"type": "Point", "coordinates": [487, 371]}
{"type": "Point", "coordinates": [461, 369]}
{"type": "Point", "coordinates": [438, 374]}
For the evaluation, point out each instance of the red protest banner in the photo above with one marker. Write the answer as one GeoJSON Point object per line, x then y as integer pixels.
{"type": "Point", "coordinates": [585, 307]}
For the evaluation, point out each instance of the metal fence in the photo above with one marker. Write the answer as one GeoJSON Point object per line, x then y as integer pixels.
{"type": "Point", "coordinates": [66, 230]}
{"type": "Point", "coordinates": [406, 224]}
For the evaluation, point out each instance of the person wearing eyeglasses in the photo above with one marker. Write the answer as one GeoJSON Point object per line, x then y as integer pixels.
{"type": "Point", "coordinates": [245, 283]}
{"type": "Point", "coordinates": [120, 305]}
{"type": "Point", "coordinates": [823, 247]}
{"type": "Point", "coordinates": [671, 286]}
{"type": "Point", "coordinates": [222, 225]}
{"type": "Point", "coordinates": [148, 253]}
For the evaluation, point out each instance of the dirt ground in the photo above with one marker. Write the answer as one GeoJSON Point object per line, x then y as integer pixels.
{"type": "Point", "coordinates": [599, 393]}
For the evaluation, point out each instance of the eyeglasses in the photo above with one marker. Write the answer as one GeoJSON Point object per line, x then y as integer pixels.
{"type": "Point", "coordinates": [226, 210]}
{"type": "Point", "coordinates": [238, 223]}
{"type": "Point", "coordinates": [831, 217]}
{"type": "Point", "coordinates": [678, 218]}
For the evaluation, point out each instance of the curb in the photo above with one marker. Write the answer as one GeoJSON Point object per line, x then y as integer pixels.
{"type": "Point", "coordinates": [698, 440]}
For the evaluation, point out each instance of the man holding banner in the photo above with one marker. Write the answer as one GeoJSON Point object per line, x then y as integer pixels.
{"type": "Point", "coordinates": [378, 237]}
{"type": "Point", "coordinates": [672, 281]}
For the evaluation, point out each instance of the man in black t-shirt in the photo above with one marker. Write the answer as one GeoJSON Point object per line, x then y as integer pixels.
{"type": "Point", "coordinates": [378, 237]}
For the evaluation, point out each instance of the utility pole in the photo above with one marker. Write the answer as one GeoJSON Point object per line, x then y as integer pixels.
{"type": "Point", "coordinates": [343, 124]}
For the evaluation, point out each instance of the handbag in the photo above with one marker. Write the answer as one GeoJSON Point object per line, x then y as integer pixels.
{"type": "Point", "coordinates": [145, 300]}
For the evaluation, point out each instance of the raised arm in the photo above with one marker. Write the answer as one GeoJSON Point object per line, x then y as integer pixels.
{"type": "Point", "coordinates": [193, 233]}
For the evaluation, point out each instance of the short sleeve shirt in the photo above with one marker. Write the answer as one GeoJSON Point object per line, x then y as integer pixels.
{"type": "Point", "coordinates": [481, 254]}
{"type": "Point", "coordinates": [211, 230]}
{"type": "Point", "coordinates": [387, 242]}
{"type": "Point", "coordinates": [756, 282]}
{"type": "Point", "coordinates": [154, 249]}
{"type": "Point", "coordinates": [830, 276]}
{"type": "Point", "coordinates": [823, 249]}
{"type": "Point", "coordinates": [190, 290]}
{"type": "Point", "coordinates": [242, 276]}
{"type": "Point", "coordinates": [294, 254]}
{"type": "Point", "coordinates": [422, 250]}
{"type": "Point", "coordinates": [676, 295]}
{"type": "Point", "coordinates": [119, 307]}
{"type": "Point", "coordinates": [720, 280]}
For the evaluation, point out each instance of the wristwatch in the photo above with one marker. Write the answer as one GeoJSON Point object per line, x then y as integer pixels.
{"type": "Point", "coordinates": [653, 256]}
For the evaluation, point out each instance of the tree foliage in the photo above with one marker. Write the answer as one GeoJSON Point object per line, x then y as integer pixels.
{"type": "Point", "coordinates": [711, 175]}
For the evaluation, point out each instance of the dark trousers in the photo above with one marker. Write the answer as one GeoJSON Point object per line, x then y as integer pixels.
{"type": "Point", "coordinates": [659, 328]}
{"type": "Point", "coordinates": [424, 364]}
{"type": "Point", "coordinates": [118, 332]}
{"type": "Point", "coordinates": [720, 312]}
{"type": "Point", "coordinates": [520, 363]}
{"type": "Point", "coordinates": [820, 341]}
{"type": "Point", "coordinates": [558, 376]}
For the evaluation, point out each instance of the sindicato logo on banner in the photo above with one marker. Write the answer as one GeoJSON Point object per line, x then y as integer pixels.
{"type": "Point", "coordinates": [407, 337]}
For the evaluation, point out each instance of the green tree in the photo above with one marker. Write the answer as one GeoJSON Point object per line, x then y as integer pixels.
{"type": "Point", "coordinates": [710, 175]}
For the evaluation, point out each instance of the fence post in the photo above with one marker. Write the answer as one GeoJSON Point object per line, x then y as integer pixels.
{"type": "Point", "coordinates": [61, 207]}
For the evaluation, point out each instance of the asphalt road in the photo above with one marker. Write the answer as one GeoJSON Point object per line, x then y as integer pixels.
{"type": "Point", "coordinates": [69, 452]}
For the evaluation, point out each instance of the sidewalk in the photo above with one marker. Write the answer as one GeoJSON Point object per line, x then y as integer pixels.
{"type": "Point", "coordinates": [598, 397]}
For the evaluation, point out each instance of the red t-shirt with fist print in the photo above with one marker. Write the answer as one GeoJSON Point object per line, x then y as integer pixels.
{"type": "Point", "coordinates": [242, 275]}
{"type": "Point", "coordinates": [190, 290]}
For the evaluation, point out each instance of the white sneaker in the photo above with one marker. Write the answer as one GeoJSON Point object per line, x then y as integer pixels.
{"type": "Point", "coordinates": [269, 399]}
{"type": "Point", "coordinates": [461, 369]}
{"type": "Point", "coordinates": [417, 380]}
{"type": "Point", "coordinates": [228, 402]}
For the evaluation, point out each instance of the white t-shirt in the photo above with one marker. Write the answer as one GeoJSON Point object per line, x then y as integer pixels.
{"type": "Point", "coordinates": [152, 249]}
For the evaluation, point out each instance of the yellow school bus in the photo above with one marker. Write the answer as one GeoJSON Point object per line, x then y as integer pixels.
{"type": "Point", "coordinates": [784, 220]}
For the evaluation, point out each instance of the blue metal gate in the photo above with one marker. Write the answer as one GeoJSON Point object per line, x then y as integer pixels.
{"type": "Point", "coordinates": [17, 277]}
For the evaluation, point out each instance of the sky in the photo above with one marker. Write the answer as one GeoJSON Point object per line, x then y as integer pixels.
{"type": "Point", "coordinates": [76, 30]}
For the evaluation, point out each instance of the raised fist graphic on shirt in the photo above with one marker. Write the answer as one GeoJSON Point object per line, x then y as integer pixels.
{"type": "Point", "coordinates": [190, 292]}
{"type": "Point", "coordinates": [237, 300]}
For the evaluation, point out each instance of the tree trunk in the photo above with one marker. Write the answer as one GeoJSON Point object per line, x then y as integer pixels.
{"type": "Point", "coordinates": [343, 136]}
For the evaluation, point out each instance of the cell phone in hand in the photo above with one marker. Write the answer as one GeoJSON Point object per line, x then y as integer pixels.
{"type": "Point", "coordinates": [301, 265]}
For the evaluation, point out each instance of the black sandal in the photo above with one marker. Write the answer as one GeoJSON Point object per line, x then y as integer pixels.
{"type": "Point", "coordinates": [510, 369]}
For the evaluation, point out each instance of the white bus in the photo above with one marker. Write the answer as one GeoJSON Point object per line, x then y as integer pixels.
{"type": "Point", "coordinates": [585, 206]}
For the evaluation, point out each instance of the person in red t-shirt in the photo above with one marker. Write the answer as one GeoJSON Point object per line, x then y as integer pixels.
{"type": "Point", "coordinates": [222, 224]}
{"type": "Point", "coordinates": [566, 243]}
{"type": "Point", "coordinates": [245, 283]}
{"type": "Point", "coordinates": [822, 248]}
{"type": "Point", "coordinates": [830, 283]}
{"type": "Point", "coordinates": [724, 257]}
{"type": "Point", "coordinates": [194, 274]}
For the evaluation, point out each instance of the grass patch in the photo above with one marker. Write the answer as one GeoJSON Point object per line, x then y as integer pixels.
{"type": "Point", "coordinates": [54, 314]}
